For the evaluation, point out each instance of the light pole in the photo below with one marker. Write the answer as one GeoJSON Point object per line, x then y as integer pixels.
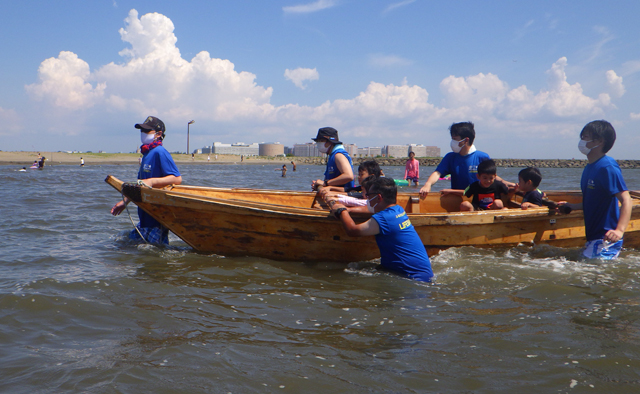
{"type": "Point", "coordinates": [188, 124]}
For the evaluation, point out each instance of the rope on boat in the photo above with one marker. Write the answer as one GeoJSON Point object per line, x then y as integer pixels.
{"type": "Point", "coordinates": [126, 205]}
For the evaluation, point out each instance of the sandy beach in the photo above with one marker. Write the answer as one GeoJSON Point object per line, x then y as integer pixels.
{"type": "Point", "coordinates": [26, 158]}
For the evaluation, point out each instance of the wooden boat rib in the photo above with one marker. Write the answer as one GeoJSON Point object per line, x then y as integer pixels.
{"type": "Point", "coordinates": [295, 226]}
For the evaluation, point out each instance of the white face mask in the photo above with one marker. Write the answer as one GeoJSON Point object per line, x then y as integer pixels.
{"type": "Point", "coordinates": [321, 147]}
{"type": "Point", "coordinates": [455, 147]}
{"type": "Point", "coordinates": [147, 138]}
{"type": "Point", "coordinates": [582, 147]}
{"type": "Point", "coordinates": [371, 208]}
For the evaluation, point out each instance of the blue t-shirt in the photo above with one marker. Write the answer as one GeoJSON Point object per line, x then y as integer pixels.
{"type": "Point", "coordinates": [600, 183]}
{"type": "Point", "coordinates": [332, 170]}
{"type": "Point", "coordinates": [155, 164]}
{"type": "Point", "coordinates": [401, 248]}
{"type": "Point", "coordinates": [463, 169]}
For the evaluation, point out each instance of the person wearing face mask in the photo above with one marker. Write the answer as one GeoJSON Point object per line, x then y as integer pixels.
{"type": "Point", "coordinates": [157, 170]}
{"type": "Point", "coordinates": [401, 249]}
{"type": "Point", "coordinates": [338, 171]}
{"type": "Point", "coordinates": [462, 162]}
{"type": "Point", "coordinates": [603, 187]}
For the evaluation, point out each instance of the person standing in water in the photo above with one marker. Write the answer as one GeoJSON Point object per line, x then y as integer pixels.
{"type": "Point", "coordinates": [157, 170]}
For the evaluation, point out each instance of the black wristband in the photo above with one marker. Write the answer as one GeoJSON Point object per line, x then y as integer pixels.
{"type": "Point", "coordinates": [338, 212]}
{"type": "Point", "coordinates": [325, 184]}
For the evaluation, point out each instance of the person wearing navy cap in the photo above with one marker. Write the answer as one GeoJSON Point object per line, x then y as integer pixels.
{"type": "Point", "coordinates": [338, 171]}
{"type": "Point", "coordinates": [157, 170]}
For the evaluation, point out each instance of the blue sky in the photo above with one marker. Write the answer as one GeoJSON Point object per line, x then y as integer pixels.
{"type": "Point", "coordinates": [77, 75]}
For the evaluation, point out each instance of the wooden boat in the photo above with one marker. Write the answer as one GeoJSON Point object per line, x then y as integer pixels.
{"type": "Point", "coordinates": [296, 226]}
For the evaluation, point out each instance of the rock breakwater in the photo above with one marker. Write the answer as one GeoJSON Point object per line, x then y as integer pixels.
{"type": "Point", "coordinates": [519, 163]}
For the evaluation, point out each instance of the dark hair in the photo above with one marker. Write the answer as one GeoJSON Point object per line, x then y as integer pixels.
{"type": "Point", "coordinates": [463, 130]}
{"type": "Point", "coordinates": [371, 166]}
{"type": "Point", "coordinates": [601, 130]}
{"type": "Point", "coordinates": [414, 153]}
{"type": "Point", "coordinates": [385, 187]}
{"type": "Point", "coordinates": [368, 181]}
{"type": "Point", "coordinates": [487, 167]}
{"type": "Point", "coordinates": [531, 174]}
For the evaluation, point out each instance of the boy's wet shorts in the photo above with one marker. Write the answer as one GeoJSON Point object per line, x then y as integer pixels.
{"type": "Point", "coordinates": [413, 179]}
{"type": "Point", "coordinates": [153, 235]}
{"type": "Point", "coordinates": [600, 249]}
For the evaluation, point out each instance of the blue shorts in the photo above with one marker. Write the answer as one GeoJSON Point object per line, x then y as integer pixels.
{"type": "Point", "coordinates": [153, 235]}
{"type": "Point", "coordinates": [413, 179]}
{"type": "Point", "coordinates": [600, 249]}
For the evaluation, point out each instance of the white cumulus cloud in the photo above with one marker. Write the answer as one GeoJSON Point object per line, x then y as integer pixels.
{"type": "Point", "coordinates": [154, 79]}
{"type": "Point", "coordinates": [616, 88]}
{"type": "Point", "coordinates": [299, 75]}
{"type": "Point", "coordinates": [63, 82]}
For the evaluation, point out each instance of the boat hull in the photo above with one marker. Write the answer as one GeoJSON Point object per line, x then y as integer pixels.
{"type": "Point", "coordinates": [293, 226]}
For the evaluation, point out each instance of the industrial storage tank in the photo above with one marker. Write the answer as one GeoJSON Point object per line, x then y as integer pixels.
{"type": "Point", "coordinates": [271, 149]}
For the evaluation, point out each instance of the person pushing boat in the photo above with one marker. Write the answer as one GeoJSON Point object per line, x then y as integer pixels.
{"type": "Point", "coordinates": [157, 170]}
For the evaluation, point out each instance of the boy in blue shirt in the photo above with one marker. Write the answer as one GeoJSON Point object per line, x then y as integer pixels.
{"type": "Point", "coordinates": [462, 163]}
{"type": "Point", "coordinates": [602, 189]}
{"type": "Point", "coordinates": [401, 249]}
{"type": "Point", "coordinates": [157, 170]}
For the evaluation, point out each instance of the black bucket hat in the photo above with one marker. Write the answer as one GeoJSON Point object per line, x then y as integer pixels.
{"type": "Point", "coordinates": [328, 133]}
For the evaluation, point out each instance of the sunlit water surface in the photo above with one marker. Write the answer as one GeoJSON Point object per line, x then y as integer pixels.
{"type": "Point", "coordinates": [85, 310]}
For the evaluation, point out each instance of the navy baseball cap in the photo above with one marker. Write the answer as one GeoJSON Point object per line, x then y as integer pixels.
{"type": "Point", "coordinates": [151, 123]}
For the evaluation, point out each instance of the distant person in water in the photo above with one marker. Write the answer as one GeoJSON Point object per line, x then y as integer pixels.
{"type": "Point", "coordinates": [338, 171]}
{"type": "Point", "coordinates": [412, 170]}
{"type": "Point", "coordinates": [294, 165]}
{"type": "Point", "coordinates": [81, 162]}
{"type": "Point", "coordinates": [606, 202]}
{"type": "Point", "coordinates": [283, 169]}
{"type": "Point", "coordinates": [157, 170]}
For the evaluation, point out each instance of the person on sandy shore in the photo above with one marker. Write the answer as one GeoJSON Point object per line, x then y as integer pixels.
{"type": "Point", "coordinates": [157, 170]}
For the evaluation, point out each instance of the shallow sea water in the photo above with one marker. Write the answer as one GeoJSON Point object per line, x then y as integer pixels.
{"type": "Point", "coordinates": [85, 310]}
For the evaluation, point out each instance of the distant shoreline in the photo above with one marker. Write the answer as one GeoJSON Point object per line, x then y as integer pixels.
{"type": "Point", "coordinates": [25, 159]}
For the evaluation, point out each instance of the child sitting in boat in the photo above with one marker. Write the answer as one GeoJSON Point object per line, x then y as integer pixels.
{"type": "Point", "coordinates": [349, 201]}
{"type": "Point", "coordinates": [528, 181]}
{"type": "Point", "coordinates": [401, 248]}
{"type": "Point", "coordinates": [486, 191]}
{"type": "Point", "coordinates": [369, 167]}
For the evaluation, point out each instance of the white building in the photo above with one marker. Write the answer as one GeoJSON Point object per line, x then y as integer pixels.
{"type": "Point", "coordinates": [306, 150]}
{"type": "Point", "coordinates": [370, 151]}
{"type": "Point", "coordinates": [239, 148]}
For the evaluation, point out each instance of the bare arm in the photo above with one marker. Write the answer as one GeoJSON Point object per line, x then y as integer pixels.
{"type": "Point", "coordinates": [433, 178]}
{"type": "Point", "coordinates": [346, 172]}
{"type": "Point", "coordinates": [152, 182]}
{"type": "Point", "coordinates": [370, 227]}
{"type": "Point", "coordinates": [625, 217]}
{"type": "Point", "coordinates": [158, 183]}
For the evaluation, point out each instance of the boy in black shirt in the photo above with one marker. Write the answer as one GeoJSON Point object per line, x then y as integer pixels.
{"type": "Point", "coordinates": [528, 182]}
{"type": "Point", "coordinates": [486, 191]}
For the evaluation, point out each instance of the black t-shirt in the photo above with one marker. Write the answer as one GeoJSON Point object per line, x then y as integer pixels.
{"type": "Point", "coordinates": [483, 197]}
{"type": "Point", "coordinates": [534, 197]}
